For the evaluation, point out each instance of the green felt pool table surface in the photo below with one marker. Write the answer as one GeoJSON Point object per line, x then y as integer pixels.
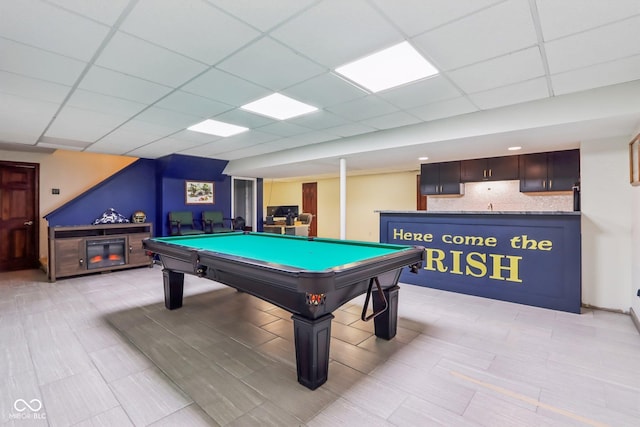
{"type": "Point", "coordinates": [314, 254]}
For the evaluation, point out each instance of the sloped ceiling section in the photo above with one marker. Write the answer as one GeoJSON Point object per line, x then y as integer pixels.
{"type": "Point", "coordinates": [129, 76]}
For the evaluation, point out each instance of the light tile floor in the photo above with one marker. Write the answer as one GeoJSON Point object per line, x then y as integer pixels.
{"type": "Point", "coordinates": [102, 350]}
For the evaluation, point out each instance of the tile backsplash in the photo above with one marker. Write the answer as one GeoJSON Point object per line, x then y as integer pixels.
{"type": "Point", "coordinates": [501, 196]}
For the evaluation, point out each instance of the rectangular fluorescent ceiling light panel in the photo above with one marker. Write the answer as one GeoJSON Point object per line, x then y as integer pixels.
{"type": "Point", "coordinates": [214, 127]}
{"type": "Point", "coordinates": [394, 66]}
{"type": "Point", "coordinates": [279, 107]}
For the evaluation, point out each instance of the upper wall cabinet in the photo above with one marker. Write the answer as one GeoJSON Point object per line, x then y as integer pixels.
{"type": "Point", "coordinates": [491, 169]}
{"type": "Point", "coordinates": [553, 171]}
{"type": "Point", "coordinates": [440, 178]}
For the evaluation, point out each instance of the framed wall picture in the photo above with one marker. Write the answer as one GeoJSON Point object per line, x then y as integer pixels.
{"type": "Point", "coordinates": [634, 161]}
{"type": "Point", "coordinates": [199, 192]}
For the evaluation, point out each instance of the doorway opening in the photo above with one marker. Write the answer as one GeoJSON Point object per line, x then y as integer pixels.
{"type": "Point", "coordinates": [244, 198]}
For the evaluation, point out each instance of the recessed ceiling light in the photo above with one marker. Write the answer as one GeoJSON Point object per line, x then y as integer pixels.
{"type": "Point", "coordinates": [214, 127]}
{"type": "Point", "coordinates": [514, 148]}
{"type": "Point", "coordinates": [391, 67]}
{"type": "Point", "coordinates": [279, 107]}
{"type": "Point", "coordinates": [423, 158]}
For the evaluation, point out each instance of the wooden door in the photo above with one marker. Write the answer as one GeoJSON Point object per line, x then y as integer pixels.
{"type": "Point", "coordinates": [19, 223]}
{"type": "Point", "coordinates": [421, 200]}
{"type": "Point", "coordinates": [310, 204]}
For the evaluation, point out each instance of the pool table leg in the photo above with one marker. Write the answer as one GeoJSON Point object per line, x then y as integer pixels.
{"type": "Point", "coordinates": [312, 338]}
{"type": "Point", "coordinates": [173, 288]}
{"type": "Point", "coordinates": [386, 323]}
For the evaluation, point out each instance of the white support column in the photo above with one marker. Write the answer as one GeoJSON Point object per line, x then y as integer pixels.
{"type": "Point", "coordinates": [343, 199]}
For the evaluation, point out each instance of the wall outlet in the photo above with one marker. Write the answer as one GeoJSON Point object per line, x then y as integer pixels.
{"type": "Point", "coordinates": [55, 191]}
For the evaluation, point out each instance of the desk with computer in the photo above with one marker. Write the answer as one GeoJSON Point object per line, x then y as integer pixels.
{"type": "Point", "coordinates": [286, 219]}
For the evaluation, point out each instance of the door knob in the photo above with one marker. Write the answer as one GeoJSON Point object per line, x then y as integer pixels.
{"type": "Point", "coordinates": [28, 223]}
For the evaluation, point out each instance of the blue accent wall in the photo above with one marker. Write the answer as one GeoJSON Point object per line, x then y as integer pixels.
{"type": "Point", "coordinates": [532, 259]}
{"type": "Point", "coordinates": [128, 190]}
{"type": "Point", "coordinates": [155, 187]}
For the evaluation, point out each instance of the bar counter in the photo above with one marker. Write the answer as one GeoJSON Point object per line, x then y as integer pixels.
{"type": "Point", "coordinates": [529, 258]}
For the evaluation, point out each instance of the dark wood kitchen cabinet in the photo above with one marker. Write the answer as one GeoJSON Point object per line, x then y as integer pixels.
{"type": "Point", "coordinates": [552, 171]}
{"type": "Point", "coordinates": [490, 169]}
{"type": "Point", "coordinates": [440, 178]}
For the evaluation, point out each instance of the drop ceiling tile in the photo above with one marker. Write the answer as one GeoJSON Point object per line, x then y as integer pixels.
{"type": "Point", "coordinates": [87, 100]}
{"type": "Point", "coordinates": [128, 137]}
{"type": "Point", "coordinates": [301, 140]}
{"type": "Point", "coordinates": [21, 59]}
{"type": "Point", "coordinates": [167, 118]}
{"type": "Point", "coordinates": [262, 15]}
{"type": "Point", "coordinates": [65, 144]}
{"type": "Point", "coordinates": [444, 109]}
{"type": "Point", "coordinates": [284, 129]}
{"type": "Point", "coordinates": [226, 145]}
{"type": "Point", "coordinates": [196, 29]}
{"type": "Point", "coordinates": [50, 28]}
{"type": "Point", "coordinates": [15, 84]}
{"type": "Point", "coordinates": [363, 108]}
{"type": "Point", "coordinates": [244, 118]}
{"type": "Point", "coordinates": [480, 36]}
{"type": "Point", "coordinates": [150, 130]}
{"type": "Point", "coordinates": [350, 129]}
{"type": "Point", "coordinates": [82, 125]}
{"type": "Point", "coordinates": [324, 91]}
{"type": "Point", "coordinates": [198, 137]}
{"type": "Point", "coordinates": [106, 12]}
{"type": "Point", "coordinates": [609, 73]}
{"type": "Point", "coordinates": [562, 18]}
{"type": "Point", "coordinates": [139, 58]}
{"type": "Point", "coordinates": [256, 150]}
{"type": "Point", "coordinates": [246, 139]}
{"type": "Point", "coordinates": [393, 120]}
{"type": "Point", "coordinates": [336, 32]}
{"type": "Point", "coordinates": [23, 120]}
{"type": "Point", "coordinates": [593, 47]}
{"type": "Point", "coordinates": [511, 94]}
{"type": "Point", "coordinates": [502, 71]}
{"type": "Point", "coordinates": [418, 16]}
{"type": "Point", "coordinates": [109, 82]}
{"type": "Point", "coordinates": [162, 147]}
{"type": "Point", "coordinates": [120, 142]}
{"type": "Point", "coordinates": [319, 120]}
{"type": "Point", "coordinates": [422, 92]}
{"type": "Point", "coordinates": [226, 88]}
{"type": "Point", "coordinates": [194, 105]}
{"type": "Point", "coordinates": [270, 64]}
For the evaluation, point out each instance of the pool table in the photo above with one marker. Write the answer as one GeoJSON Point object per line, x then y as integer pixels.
{"type": "Point", "coordinates": [309, 277]}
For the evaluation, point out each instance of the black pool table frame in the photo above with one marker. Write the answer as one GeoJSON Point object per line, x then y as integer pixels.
{"type": "Point", "coordinates": [311, 296]}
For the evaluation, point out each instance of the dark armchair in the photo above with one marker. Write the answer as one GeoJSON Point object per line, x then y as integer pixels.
{"type": "Point", "coordinates": [214, 222]}
{"type": "Point", "coordinates": [181, 224]}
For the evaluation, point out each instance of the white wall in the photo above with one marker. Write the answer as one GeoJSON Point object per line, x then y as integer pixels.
{"type": "Point", "coordinates": [635, 251]}
{"type": "Point", "coordinates": [606, 223]}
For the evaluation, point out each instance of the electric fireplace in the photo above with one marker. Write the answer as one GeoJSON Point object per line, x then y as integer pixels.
{"type": "Point", "coordinates": [105, 252]}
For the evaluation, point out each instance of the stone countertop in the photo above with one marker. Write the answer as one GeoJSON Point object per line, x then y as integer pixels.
{"type": "Point", "coordinates": [569, 213]}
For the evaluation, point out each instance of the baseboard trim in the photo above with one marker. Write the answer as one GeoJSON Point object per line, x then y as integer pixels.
{"type": "Point", "coordinates": [635, 319]}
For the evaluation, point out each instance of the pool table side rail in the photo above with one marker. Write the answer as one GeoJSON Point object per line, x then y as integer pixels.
{"type": "Point", "coordinates": [401, 257]}
{"type": "Point", "coordinates": [285, 286]}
